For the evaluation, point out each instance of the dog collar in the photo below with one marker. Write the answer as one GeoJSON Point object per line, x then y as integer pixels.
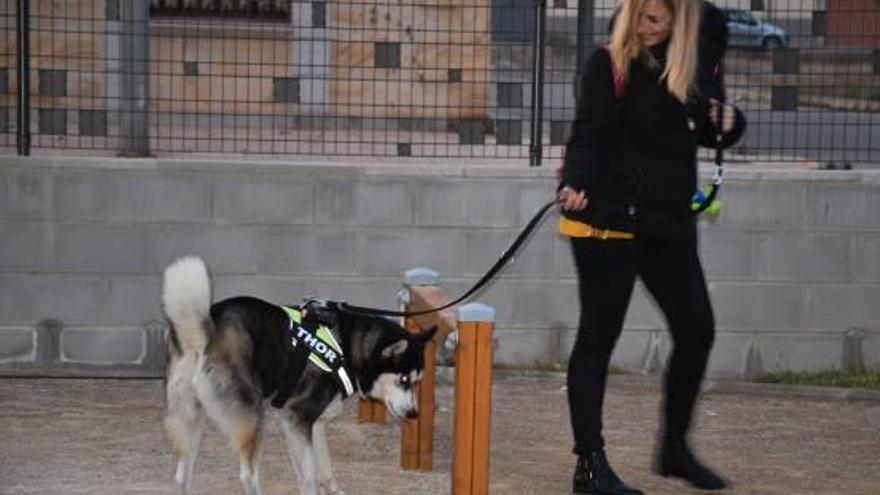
{"type": "Point", "coordinates": [323, 348]}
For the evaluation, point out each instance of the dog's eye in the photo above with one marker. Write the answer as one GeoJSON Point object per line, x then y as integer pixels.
{"type": "Point", "coordinates": [404, 381]}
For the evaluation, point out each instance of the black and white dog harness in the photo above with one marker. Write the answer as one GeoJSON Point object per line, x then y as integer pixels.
{"type": "Point", "coordinates": [310, 340]}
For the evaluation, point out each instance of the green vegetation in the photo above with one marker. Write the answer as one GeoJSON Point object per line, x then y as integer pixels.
{"type": "Point", "coordinates": [869, 379]}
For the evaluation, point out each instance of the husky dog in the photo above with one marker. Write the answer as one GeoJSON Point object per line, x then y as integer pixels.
{"type": "Point", "coordinates": [227, 362]}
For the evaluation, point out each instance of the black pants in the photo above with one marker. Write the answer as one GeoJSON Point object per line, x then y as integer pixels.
{"type": "Point", "coordinates": [607, 271]}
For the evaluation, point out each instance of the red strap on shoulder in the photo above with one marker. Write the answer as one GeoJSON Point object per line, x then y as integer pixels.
{"type": "Point", "coordinates": [619, 86]}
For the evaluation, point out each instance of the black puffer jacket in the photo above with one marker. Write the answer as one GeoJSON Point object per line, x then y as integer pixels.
{"type": "Point", "coordinates": [635, 157]}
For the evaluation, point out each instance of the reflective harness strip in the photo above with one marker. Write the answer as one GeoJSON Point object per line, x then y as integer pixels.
{"type": "Point", "coordinates": [323, 351]}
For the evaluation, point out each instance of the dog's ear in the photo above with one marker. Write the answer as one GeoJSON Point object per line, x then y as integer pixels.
{"type": "Point", "coordinates": [425, 336]}
{"type": "Point", "coordinates": [395, 349]}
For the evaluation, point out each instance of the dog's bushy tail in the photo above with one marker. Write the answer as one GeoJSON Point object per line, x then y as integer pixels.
{"type": "Point", "coordinates": [186, 296]}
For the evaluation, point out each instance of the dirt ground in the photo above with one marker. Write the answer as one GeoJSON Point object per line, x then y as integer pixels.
{"type": "Point", "coordinates": [102, 437]}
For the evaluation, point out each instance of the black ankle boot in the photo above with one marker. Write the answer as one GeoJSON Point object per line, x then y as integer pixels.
{"type": "Point", "coordinates": [594, 475]}
{"type": "Point", "coordinates": [676, 459]}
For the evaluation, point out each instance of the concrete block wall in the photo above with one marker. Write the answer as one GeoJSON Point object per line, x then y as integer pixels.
{"type": "Point", "coordinates": [792, 260]}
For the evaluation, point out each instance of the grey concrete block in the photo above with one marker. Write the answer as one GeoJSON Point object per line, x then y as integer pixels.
{"type": "Point", "coordinates": [527, 346]}
{"type": "Point", "coordinates": [801, 352]}
{"type": "Point", "coordinates": [379, 202]}
{"type": "Point", "coordinates": [629, 353]}
{"type": "Point", "coordinates": [376, 292]}
{"type": "Point", "coordinates": [482, 248]}
{"type": "Point", "coordinates": [83, 195]}
{"type": "Point", "coordinates": [633, 347]}
{"type": "Point", "coordinates": [169, 197]}
{"type": "Point", "coordinates": [226, 249]}
{"type": "Point", "coordinates": [643, 312]}
{"type": "Point", "coordinates": [656, 353]}
{"type": "Point", "coordinates": [867, 258]}
{"type": "Point", "coordinates": [727, 253]}
{"type": "Point", "coordinates": [753, 365]}
{"type": "Point", "coordinates": [74, 299]}
{"type": "Point", "coordinates": [104, 346]}
{"type": "Point", "coordinates": [853, 356]}
{"type": "Point", "coordinates": [844, 206]}
{"type": "Point", "coordinates": [839, 307]}
{"type": "Point", "coordinates": [26, 245]}
{"type": "Point", "coordinates": [758, 306]}
{"type": "Point", "coordinates": [532, 196]}
{"type": "Point", "coordinates": [764, 205]}
{"type": "Point", "coordinates": [392, 252]}
{"type": "Point", "coordinates": [729, 354]}
{"type": "Point", "coordinates": [871, 348]}
{"type": "Point", "coordinates": [275, 289]}
{"type": "Point", "coordinates": [49, 341]}
{"type": "Point", "coordinates": [17, 344]}
{"type": "Point", "coordinates": [565, 267]}
{"type": "Point", "coordinates": [805, 256]}
{"type": "Point", "coordinates": [277, 199]}
{"type": "Point", "coordinates": [25, 193]}
{"type": "Point", "coordinates": [103, 248]}
{"type": "Point", "coordinates": [155, 359]}
{"type": "Point", "coordinates": [475, 203]}
{"type": "Point", "coordinates": [307, 250]}
{"type": "Point", "coordinates": [543, 304]}
{"type": "Point", "coordinates": [133, 299]}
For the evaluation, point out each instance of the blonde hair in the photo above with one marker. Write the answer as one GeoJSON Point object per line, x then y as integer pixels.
{"type": "Point", "coordinates": [681, 58]}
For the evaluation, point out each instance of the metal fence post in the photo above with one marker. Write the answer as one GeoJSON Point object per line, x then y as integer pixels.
{"type": "Point", "coordinates": [473, 400]}
{"type": "Point", "coordinates": [24, 78]}
{"type": "Point", "coordinates": [585, 20]}
{"type": "Point", "coordinates": [537, 124]}
{"type": "Point", "coordinates": [135, 77]}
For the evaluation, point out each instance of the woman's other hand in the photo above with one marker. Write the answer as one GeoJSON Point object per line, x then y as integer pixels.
{"type": "Point", "coordinates": [728, 114]}
{"type": "Point", "coordinates": [571, 199]}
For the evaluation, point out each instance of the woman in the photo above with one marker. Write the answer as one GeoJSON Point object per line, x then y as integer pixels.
{"type": "Point", "coordinates": [646, 102]}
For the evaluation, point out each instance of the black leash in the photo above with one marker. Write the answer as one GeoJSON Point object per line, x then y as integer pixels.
{"type": "Point", "coordinates": [719, 165]}
{"type": "Point", "coordinates": [529, 228]}
{"type": "Point", "coordinates": [507, 256]}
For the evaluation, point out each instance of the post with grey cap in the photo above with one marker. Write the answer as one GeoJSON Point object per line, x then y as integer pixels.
{"type": "Point", "coordinates": [371, 411]}
{"type": "Point", "coordinates": [473, 400]}
{"type": "Point", "coordinates": [417, 436]}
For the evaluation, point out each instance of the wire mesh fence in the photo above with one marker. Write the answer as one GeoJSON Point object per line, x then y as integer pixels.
{"type": "Point", "coordinates": [412, 78]}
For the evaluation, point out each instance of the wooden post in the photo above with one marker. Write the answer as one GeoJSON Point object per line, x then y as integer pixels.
{"type": "Point", "coordinates": [371, 411]}
{"type": "Point", "coordinates": [473, 400]}
{"type": "Point", "coordinates": [417, 435]}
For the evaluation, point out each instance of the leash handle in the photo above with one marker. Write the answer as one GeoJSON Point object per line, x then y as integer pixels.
{"type": "Point", "coordinates": [718, 177]}
{"type": "Point", "coordinates": [505, 257]}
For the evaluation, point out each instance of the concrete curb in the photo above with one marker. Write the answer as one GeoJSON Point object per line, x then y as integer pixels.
{"type": "Point", "coordinates": [710, 386]}
{"type": "Point", "coordinates": [792, 391]}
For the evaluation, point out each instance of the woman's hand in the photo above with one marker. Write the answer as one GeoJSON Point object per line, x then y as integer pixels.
{"type": "Point", "coordinates": [572, 200]}
{"type": "Point", "coordinates": [728, 115]}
